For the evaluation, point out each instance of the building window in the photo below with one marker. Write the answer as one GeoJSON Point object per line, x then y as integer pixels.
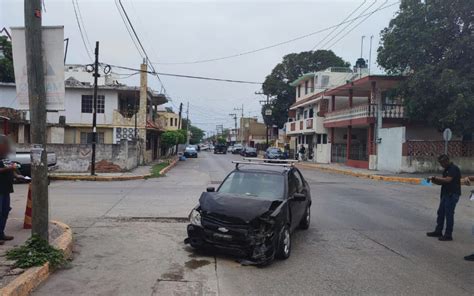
{"type": "Point", "coordinates": [324, 81]}
{"type": "Point", "coordinates": [299, 91]}
{"type": "Point", "coordinates": [171, 121]}
{"type": "Point", "coordinates": [306, 87]}
{"type": "Point", "coordinates": [87, 102]}
{"type": "Point", "coordinates": [311, 113]}
{"type": "Point", "coordinates": [176, 121]}
{"type": "Point", "coordinates": [305, 114]}
{"type": "Point", "coordinates": [86, 138]}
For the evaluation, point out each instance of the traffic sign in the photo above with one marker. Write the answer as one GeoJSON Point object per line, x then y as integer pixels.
{"type": "Point", "coordinates": [447, 134]}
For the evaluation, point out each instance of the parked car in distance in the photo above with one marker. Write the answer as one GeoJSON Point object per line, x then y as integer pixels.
{"type": "Point", "coordinates": [190, 152]}
{"type": "Point", "coordinates": [249, 152]}
{"type": "Point", "coordinates": [237, 148]}
{"type": "Point", "coordinates": [24, 159]}
{"type": "Point", "coordinates": [274, 153]}
{"type": "Point", "coordinates": [253, 213]}
{"type": "Point", "coordinates": [220, 148]}
{"type": "Point", "coordinates": [229, 149]}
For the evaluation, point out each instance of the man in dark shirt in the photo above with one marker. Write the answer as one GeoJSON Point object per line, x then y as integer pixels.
{"type": "Point", "coordinates": [7, 174]}
{"type": "Point", "coordinates": [450, 192]}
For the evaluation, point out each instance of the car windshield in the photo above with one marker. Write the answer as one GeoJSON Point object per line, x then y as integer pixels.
{"type": "Point", "coordinates": [261, 185]}
{"type": "Point", "coordinates": [190, 149]}
{"type": "Point", "coordinates": [251, 149]}
{"type": "Point", "coordinates": [274, 150]}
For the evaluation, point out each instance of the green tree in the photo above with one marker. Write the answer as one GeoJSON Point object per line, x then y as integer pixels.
{"type": "Point", "coordinates": [196, 135]}
{"type": "Point", "coordinates": [293, 66]}
{"type": "Point", "coordinates": [6, 61]}
{"type": "Point", "coordinates": [170, 138]}
{"type": "Point", "coordinates": [432, 43]}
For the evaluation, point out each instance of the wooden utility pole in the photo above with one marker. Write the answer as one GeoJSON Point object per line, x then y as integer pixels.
{"type": "Point", "coordinates": [187, 125]}
{"type": "Point", "coordinates": [37, 102]}
{"type": "Point", "coordinates": [94, 107]}
{"type": "Point", "coordinates": [241, 123]}
{"type": "Point", "coordinates": [179, 123]}
{"type": "Point", "coordinates": [266, 104]}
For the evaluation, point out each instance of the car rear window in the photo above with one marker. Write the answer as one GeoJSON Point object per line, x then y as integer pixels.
{"type": "Point", "coordinates": [260, 185]}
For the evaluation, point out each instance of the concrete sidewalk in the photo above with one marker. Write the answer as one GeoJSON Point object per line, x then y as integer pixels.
{"type": "Point", "coordinates": [369, 174]}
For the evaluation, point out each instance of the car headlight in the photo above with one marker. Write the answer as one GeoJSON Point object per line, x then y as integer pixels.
{"type": "Point", "coordinates": [195, 218]}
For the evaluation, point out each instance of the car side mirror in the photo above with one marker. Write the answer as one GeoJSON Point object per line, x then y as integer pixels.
{"type": "Point", "coordinates": [211, 189]}
{"type": "Point", "coordinates": [299, 196]}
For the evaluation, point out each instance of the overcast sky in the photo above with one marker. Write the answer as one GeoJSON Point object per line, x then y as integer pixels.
{"type": "Point", "coordinates": [186, 31]}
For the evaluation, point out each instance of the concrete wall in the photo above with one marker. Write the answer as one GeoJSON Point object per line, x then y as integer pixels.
{"type": "Point", "coordinates": [430, 164]}
{"type": "Point", "coordinates": [109, 157]}
{"type": "Point", "coordinates": [390, 149]}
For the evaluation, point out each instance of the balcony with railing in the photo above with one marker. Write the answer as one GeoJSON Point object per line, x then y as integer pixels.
{"type": "Point", "coordinates": [305, 126]}
{"type": "Point", "coordinates": [363, 114]}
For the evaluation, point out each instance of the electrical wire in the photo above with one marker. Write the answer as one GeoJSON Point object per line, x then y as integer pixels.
{"type": "Point", "coordinates": [128, 29]}
{"type": "Point", "coordinates": [84, 26]}
{"type": "Point", "coordinates": [187, 76]}
{"type": "Point", "coordinates": [80, 31]}
{"type": "Point", "coordinates": [348, 16]}
{"type": "Point", "coordinates": [141, 46]}
{"type": "Point", "coordinates": [358, 24]}
{"type": "Point", "coordinates": [276, 44]}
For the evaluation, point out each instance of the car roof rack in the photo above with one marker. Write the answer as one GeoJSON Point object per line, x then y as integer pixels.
{"type": "Point", "coordinates": [266, 162]}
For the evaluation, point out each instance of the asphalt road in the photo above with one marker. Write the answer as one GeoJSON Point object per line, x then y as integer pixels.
{"type": "Point", "coordinates": [366, 238]}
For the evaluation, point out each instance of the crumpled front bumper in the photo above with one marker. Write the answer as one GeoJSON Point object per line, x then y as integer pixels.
{"type": "Point", "coordinates": [253, 247]}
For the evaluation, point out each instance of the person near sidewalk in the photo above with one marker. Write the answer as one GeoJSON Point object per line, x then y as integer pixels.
{"type": "Point", "coordinates": [468, 181]}
{"type": "Point", "coordinates": [450, 192]}
{"type": "Point", "coordinates": [301, 152]}
{"type": "Point", "coordinates": [7, 174]}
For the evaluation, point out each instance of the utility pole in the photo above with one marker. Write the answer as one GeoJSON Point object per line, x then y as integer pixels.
{"type": "Point", "coordinates": [94, 107]}
{"type": "Point", "coordinates": [267, 113]}
{"type": "Point", "coordinates": [187, 125]}
{"type": "Point", "coordinates": [179, 123]}
{"type": "Point", "coordinates": [241, 124]}
{"type": "Point", "coordinates": [234, 116]}
{"type": "Point", "coordinates": [37, 104]}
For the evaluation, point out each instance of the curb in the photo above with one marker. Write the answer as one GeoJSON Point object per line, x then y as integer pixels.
{"type": "Point", "coordinates": [26, 282]}
{"type": "Point", "coordinates": [415, 181]}
{"type": "Point", "coordinates": [169, 167]}
{"type": "Point", "coordinates": [96, 178]}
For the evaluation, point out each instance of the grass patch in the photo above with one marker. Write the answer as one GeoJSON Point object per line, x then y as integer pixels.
{"type": "Point", "coordinates": [35, 252]}
{"type": "Point", "coordinates": [155, 170]}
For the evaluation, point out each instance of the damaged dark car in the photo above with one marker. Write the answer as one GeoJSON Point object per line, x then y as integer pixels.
{"type": "Point", "coordinates": [253, 213]}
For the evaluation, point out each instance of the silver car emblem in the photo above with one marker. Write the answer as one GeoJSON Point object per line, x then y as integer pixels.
{"type": "Point", "coordinates": [223, 229]}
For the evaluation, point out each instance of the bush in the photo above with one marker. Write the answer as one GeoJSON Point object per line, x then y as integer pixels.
{"type": "Point", "coordinates": [35, 252]}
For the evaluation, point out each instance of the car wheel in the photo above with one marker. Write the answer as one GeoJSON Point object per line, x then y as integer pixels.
{"type": "Point", "coordinates": [305, 221]}
{"type": "Point", "coordinates": [284, 244]}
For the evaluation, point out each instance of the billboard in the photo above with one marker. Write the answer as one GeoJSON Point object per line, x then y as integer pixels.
{"type": "Point", "coordinates": [53, 65]}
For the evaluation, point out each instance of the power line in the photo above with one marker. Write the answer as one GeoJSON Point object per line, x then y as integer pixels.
{"type": "Point", "coordinates": [141, 46]}
{"type": "Point", "coordinates": [358, 24]}
{"type": "Point", "coordinates": [128, 29]}
{"type": "Point", "coordinates": [83, 26]}
{"type": "Point", "coordinates": [80, 31]}
{"type": "Point", "coordinates": [276, 44]}
{"type": "Point", "coordinates": [187, 76]}
{"type": "Point", "coordinates": [348, 16]}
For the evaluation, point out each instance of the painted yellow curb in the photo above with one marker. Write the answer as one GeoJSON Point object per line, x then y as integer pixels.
{"type": "Point", "coordinates": [169, 167]}
{"type": "Point", "coordinates": [26, 282]}
{"type": "Point", "coordinates": [363, 175]}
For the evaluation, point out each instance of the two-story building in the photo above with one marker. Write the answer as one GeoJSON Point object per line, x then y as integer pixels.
{"type": "Point", "coordinates": [123, 112]}
{"type": "Point", "coordinates": [305, 121]}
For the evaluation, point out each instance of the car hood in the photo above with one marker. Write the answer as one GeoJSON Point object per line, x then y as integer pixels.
{"type": "Point", "coordinates": [235, 206]}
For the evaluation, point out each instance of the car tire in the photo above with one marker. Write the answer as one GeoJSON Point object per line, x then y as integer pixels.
{"type": "Point", "coordinates": [306, 220]}
{"type": "Point", "coordinates": [284, 244]}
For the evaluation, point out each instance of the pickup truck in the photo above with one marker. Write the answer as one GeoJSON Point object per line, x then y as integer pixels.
{"type": "Point", "coordinates": [23, 158]}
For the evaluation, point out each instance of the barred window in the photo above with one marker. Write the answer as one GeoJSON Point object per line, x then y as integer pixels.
{"type": "Point", "coordinates": [87, 101]}
{"type": "Point", "coordinates": [86, 138]}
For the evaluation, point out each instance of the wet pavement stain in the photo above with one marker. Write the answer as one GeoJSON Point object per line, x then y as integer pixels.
{"type": "Point", "coordinates": [194, 264]}
{"type": "Point", "coordinates": [175, 273]}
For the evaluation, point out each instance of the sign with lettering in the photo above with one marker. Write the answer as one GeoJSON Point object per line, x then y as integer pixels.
{"type": "Point", "coordinates": [53, 66]}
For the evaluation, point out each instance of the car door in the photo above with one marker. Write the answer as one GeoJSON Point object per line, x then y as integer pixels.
{"type": "Point", "coordinates": [297, 208]}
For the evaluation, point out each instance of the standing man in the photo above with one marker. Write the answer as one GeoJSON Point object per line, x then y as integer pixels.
{"type": "Point", "coordinates": [450, 191]}
{"type": "Point", "coordinates": [468, 181]}
{"type": "Point", "coordinates": [302, 151]}
{"type": "Point", "coordinates": [7, 174]}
